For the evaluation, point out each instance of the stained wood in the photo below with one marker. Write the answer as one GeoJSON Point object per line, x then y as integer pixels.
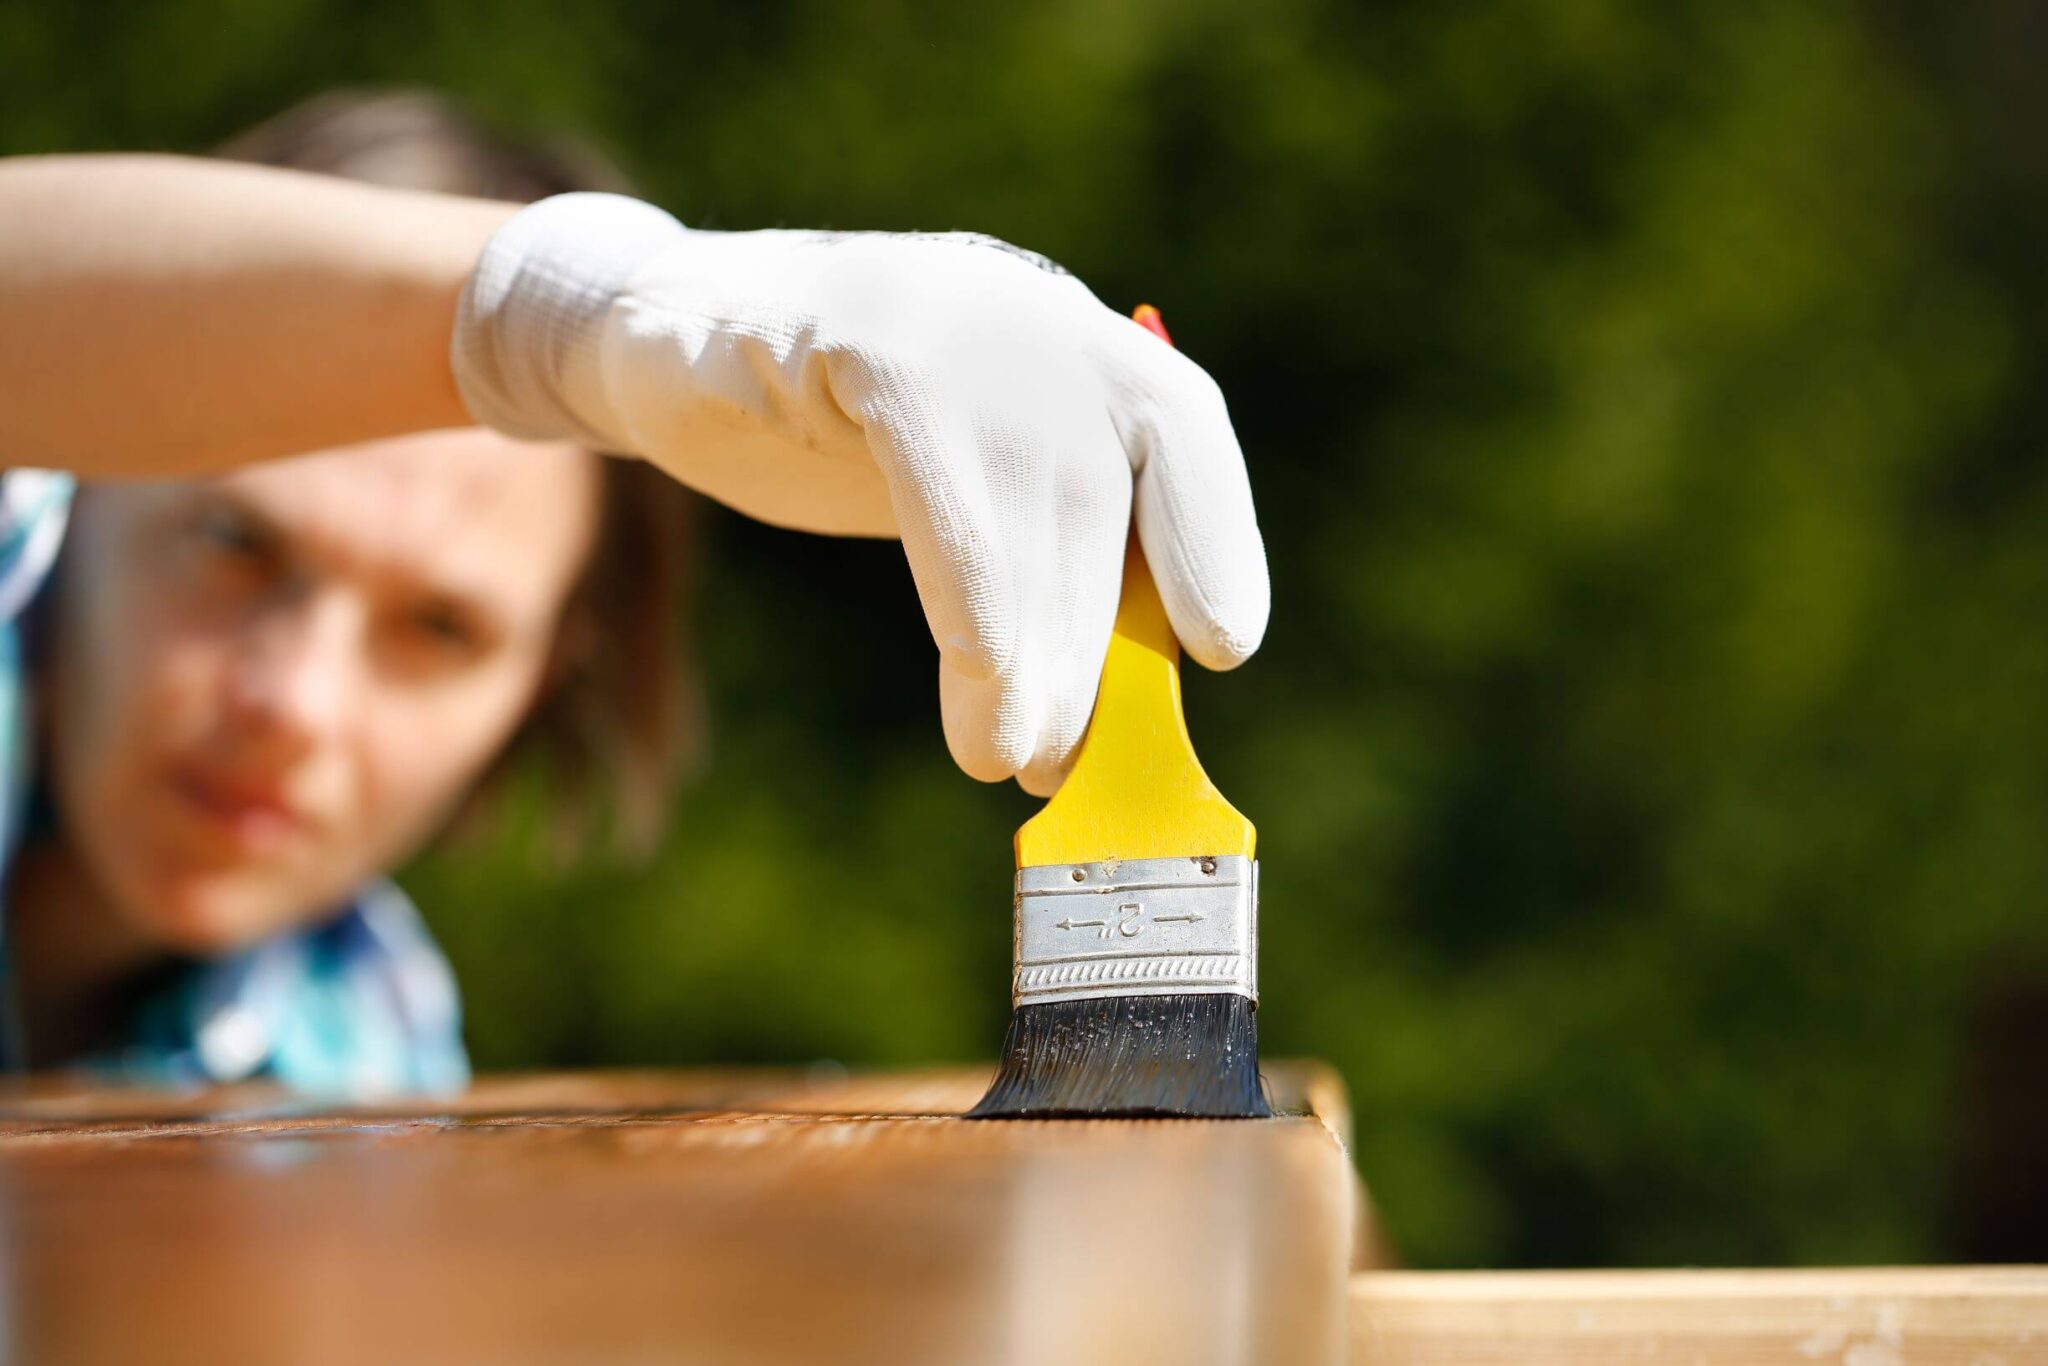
{"type": "Point", "coordinates": [1902, 1316]}
{"type": "Point", "coordinates": [707, 1217]}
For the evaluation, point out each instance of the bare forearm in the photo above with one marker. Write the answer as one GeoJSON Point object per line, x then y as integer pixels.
{"type": "Point", "coordinates": [164, 316]}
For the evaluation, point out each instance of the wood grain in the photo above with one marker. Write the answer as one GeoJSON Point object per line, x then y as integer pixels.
{"type": "Point", "coordinates": [703, 1217]}
{"type": "Point", "coordinates": [1901, 1316]}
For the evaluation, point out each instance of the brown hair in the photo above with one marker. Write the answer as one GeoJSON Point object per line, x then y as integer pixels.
{"type": "Point", "coordinates": [618, 721]}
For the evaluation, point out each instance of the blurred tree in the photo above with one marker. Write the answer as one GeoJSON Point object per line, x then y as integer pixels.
{"type": "Point", "coordinates": [1650, 749]}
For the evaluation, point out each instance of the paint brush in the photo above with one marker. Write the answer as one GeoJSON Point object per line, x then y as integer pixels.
{"type": "Point", "coordinates": [1136, 944]}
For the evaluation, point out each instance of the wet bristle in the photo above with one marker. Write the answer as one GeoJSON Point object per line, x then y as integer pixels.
{"type": "Point", "coordinates": [1162, 1057]}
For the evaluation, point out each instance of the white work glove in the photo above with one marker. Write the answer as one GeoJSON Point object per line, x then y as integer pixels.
{"type": "Point", "coordinates": [972, 398]}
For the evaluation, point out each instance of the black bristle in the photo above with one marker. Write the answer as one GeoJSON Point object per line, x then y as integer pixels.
{"type": "Point", "coordinates": [1184, 1057]}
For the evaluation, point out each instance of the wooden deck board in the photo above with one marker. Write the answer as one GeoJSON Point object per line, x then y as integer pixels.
{"type": "Point", "coordinates": [1885, 1316]}
{"type": "Point", "coordinates": [708, 1217]}
{"type": "Point", "coordinates": [756, 1216]}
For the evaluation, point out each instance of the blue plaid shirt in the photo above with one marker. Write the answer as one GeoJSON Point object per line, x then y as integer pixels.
{"type": "Point", "coordinates": [360, 1004]}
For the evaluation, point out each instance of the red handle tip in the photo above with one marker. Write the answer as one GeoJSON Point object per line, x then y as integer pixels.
{"type": "Point", "coordinates": [1148, 318]}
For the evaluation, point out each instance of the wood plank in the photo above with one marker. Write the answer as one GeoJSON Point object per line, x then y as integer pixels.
{"type": "Point", "coordinates": [708, 1217]}
{"type": "Point", "coordinates": [1898, 1316]}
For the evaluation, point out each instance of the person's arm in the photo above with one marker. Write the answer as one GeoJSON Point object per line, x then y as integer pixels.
{"type": "Point", "coordinates": [164, 316]}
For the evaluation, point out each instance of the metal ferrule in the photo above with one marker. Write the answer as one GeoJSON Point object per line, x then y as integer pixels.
{"type": "Point", "coordinates": [1139, 927]}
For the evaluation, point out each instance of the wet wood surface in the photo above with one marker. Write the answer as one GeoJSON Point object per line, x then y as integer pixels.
{"type": "Point", "coordinates": [1877, 1316]}
{"type": "Point", "coordinates": [644, 1217]}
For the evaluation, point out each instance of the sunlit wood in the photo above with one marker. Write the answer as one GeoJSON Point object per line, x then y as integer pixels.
{"type": "Point", "coordinates": [1894, 1316]}
{"type": "Point", "coordinates": [714, 1217]}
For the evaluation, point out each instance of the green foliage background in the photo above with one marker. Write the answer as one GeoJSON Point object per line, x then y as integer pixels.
{"type": "Point", "coordinates": [1650, 750]}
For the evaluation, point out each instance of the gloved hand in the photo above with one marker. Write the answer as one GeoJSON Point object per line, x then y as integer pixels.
{"type": "Point", "coordinates": [970, 397]}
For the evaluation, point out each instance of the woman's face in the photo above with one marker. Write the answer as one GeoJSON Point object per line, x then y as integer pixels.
{"type": "Point", "coordinates": [270, 686]}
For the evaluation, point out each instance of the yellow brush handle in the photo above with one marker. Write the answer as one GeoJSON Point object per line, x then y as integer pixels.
{"type": "Point", "coordinates": [1137, 790]}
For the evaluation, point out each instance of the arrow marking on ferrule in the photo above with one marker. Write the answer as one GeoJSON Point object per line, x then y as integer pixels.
{"type": "Point", "coordinates": [1072, 924]}
{"type": "Point", "coordinates": [1191, 917]}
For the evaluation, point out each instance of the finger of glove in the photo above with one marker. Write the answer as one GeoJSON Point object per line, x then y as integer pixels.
{"type": "Point", "coordinates": [1075, 609]}
{"type": "Point", "coordinates": [963, 481]}
{"type": "Point", "coordinates": [1193, 501]}
{"type": "Point", "coordinates": [929, 450]}
{"type": "Point", "coordinates": [1059, 492]}
{"type": "Point", "coordinates": [989, 723]}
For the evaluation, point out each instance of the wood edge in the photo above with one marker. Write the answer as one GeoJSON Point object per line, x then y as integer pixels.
{"type": "Point", "coordinates": [1793, 1316]}
{"type": "Point", "coordinates": [1320, 1090]}
{"type": "Point", "coordinates": [1715, 1283]}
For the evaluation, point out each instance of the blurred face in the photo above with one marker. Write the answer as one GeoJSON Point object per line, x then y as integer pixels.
{"type": "Point", "coordinates": [270, 686]}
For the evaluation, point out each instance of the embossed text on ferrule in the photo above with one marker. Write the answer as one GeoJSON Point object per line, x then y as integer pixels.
{"type": "Point", "coordinates": [1137, 927]}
